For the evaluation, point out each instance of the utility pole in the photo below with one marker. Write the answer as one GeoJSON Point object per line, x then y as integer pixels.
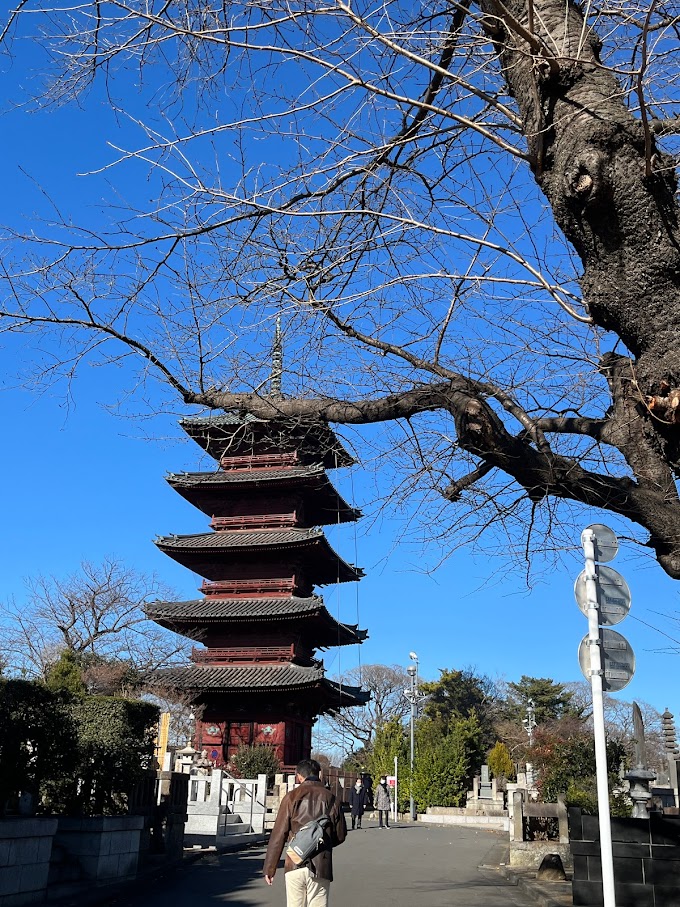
{"type": "Point", "coordinates": [529, 722]}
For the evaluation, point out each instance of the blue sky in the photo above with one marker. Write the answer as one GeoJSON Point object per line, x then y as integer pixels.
{"type": "Point", "coordinates": [82, 483]}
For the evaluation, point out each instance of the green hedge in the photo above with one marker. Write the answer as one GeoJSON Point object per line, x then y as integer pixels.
{"type": "Point", "coordinates": [75, 755]}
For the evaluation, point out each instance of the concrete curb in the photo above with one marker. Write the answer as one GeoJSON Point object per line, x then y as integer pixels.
{"type": "Point", "coordinates": [544, 894]}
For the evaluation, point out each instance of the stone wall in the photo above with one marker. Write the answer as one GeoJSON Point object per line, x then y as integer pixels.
{"type": "Point", "coordinates": [646, 860]}
{"type": "Point", "coordinates": [100, 850]}
{"type": "Point", "coordinates": [25, 850]}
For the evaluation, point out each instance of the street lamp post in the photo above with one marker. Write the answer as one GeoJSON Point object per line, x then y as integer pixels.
{"type": "Point", "coordinates": [529, 723]}
{"type": "Point", "coordinates": [412, 696]}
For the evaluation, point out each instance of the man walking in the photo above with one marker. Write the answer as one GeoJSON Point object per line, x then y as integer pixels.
{"type": "Point", "coordinates": [307, 885]}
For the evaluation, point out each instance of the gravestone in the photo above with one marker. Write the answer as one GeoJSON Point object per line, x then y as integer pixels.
{"type": "Point", "coordinates": [485, 786]}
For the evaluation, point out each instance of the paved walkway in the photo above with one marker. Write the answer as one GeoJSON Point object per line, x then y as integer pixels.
{"type": "Point", "coordinates": [405, 866]}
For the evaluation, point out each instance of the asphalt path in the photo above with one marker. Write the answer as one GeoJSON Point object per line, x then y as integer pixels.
{"type": "Point", "coordinates": [404, 866]}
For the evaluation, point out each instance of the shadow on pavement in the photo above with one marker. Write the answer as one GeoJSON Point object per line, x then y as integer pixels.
{"type": "Point", "coordinates": [232, 878]}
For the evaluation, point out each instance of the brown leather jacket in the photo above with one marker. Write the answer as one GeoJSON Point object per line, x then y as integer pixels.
{"type": "Point", "coordinates": [300, 806]}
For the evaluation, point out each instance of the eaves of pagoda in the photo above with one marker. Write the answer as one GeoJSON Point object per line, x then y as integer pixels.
{"type": "Point", "coordinates": [201, 681]}
{"type": "Point", "coordinates": [236, 434]}
{"type": "Point", "coordinates": [309, 617]}
{"type": "Point", "coordinates": [208, 490]}
{"type": "Point", "coordinates": [209, 553]}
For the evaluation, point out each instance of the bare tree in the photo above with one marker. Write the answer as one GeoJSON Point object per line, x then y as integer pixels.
{"type": "Point", "coordinates": [466, 213]}
{"type": "Point", "coordinates": [96, 614]}
{"type": "Point", "coordinates": [386, 684]}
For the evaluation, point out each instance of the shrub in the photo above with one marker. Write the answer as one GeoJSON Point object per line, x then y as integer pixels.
{"type": "Point", "coordinates": [251, 761]}
{"type": "Point", "coordinates": [567, 767]}
{"type": "Point", "coordinates": [500, 762]}
{"type": "Point", "coordinates": [115, 739]}
{"type": "Point", "coordinates": [38, 740]}
{"type": "Point", "coordinates": [78, 755]}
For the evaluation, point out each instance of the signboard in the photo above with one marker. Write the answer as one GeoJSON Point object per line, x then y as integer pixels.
{"type": "Point", "coordinates": [618, 660]}
{"type": "Point", "coordinates": [613, 595]}
{"type": "Point", "coordinates": [391, 781]}
{"type": "Point", "coordinates": [605, 543]}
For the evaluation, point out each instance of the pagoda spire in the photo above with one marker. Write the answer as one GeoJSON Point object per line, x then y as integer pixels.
{"type": "Point", "coordinates": [277, 363]}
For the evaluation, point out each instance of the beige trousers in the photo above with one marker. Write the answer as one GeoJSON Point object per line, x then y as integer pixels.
{"type": "Point", "coordinates": [304, 889]}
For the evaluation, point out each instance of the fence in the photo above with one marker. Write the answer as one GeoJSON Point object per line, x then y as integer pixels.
{"type": "Point", "coordinates": [220, 805]}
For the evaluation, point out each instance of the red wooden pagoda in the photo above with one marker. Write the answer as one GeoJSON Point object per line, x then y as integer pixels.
{"type": "Point", "coordinates": [254, 678]}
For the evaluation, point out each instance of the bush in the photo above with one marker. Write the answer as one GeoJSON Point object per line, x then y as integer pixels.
{"type": "Point", "coordinates": [115, 740]}
{"type": "Point", "coordinates": [251, 761]}
{"type": "Point", "coordinates": [500, 762]}
{"type": "Point", "coordinates": [567, 767]}
{"type": "Point", "coordinates": [37, 743]}
{"type": "Point", "coordinates": [75, 755]}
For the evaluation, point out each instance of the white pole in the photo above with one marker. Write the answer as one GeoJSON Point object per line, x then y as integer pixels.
{"type": "Point", "coordinates": [412, 804]}
{"type": "Point", "coordinates": [396, 788]}
{"type": "Point", "coordinates": [596, 676]}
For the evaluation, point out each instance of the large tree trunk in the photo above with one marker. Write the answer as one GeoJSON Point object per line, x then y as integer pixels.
{"type": "Point", "coordinates": [612, 193]}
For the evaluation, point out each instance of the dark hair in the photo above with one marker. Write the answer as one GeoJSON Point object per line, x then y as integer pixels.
{"type": "Point", "coordinates": [308, 768]}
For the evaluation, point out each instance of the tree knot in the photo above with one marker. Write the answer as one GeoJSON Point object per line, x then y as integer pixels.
{"type": "Point", "coordinates": [666, 404]}
{"type": "Point", "coordinates": [583, 179]}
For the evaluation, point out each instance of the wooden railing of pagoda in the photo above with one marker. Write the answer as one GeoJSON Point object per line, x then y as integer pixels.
{"type": "Point", "coordinates": [232, 654]}
{"type": "Point", "coordinates": [261, 521]}
{"type": "Point", "coordinates": [249, 587]}
{"type": "Point", "coordinates": [260, 461]}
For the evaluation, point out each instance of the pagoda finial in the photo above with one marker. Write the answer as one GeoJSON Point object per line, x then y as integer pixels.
{"type": "Point", "coordinates": [277, 363]}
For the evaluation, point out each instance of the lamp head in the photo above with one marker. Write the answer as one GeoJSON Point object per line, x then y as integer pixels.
{"type": "Point", "coordinates": [411, 670]}
{"type": "Point", "coordinates": [413, 656]}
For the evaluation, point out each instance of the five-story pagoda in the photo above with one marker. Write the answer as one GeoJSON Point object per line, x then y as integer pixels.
{"type": "Point", "coordinates": [254, 679]}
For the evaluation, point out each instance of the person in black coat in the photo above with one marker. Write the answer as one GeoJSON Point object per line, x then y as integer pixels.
{"type": "Point", "coordinates": [358, 802]}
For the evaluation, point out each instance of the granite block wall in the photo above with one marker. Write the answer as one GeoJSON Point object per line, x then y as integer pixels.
{"type": "Point", "coordinates": [25, 851]}
{"type": "Point", "coordinates": [646, 856]}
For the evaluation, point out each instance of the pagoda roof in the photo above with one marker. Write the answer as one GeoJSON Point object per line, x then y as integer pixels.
{"type": "Point", "coordinates": [206, 489]}
{"type": "Point", "coordinates": [197, 613]}
{"type": "Point", "coordinates": [209, 552]}
{"type": "Point", "coordinates": [259, 679]}
{"type": "Point", "coordinates": [235, 434]}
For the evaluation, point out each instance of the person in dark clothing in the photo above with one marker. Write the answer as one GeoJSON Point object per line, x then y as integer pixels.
{"type": "Point", "coordinates": [358, 802]}
{"type": "Point", "coordinates": [306, 885]}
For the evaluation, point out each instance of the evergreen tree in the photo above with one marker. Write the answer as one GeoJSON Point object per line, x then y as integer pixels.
{"type": "Point", "coordinates": [66, 674]}
{"type": "Point", "coordinates": [460, 694]}
{"type": "Point", "coordinates": [391, 740]}
{"type": "Point", "coordinates": [551, 700]}
{"type": "Point", "coordinates": [446, 763]}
